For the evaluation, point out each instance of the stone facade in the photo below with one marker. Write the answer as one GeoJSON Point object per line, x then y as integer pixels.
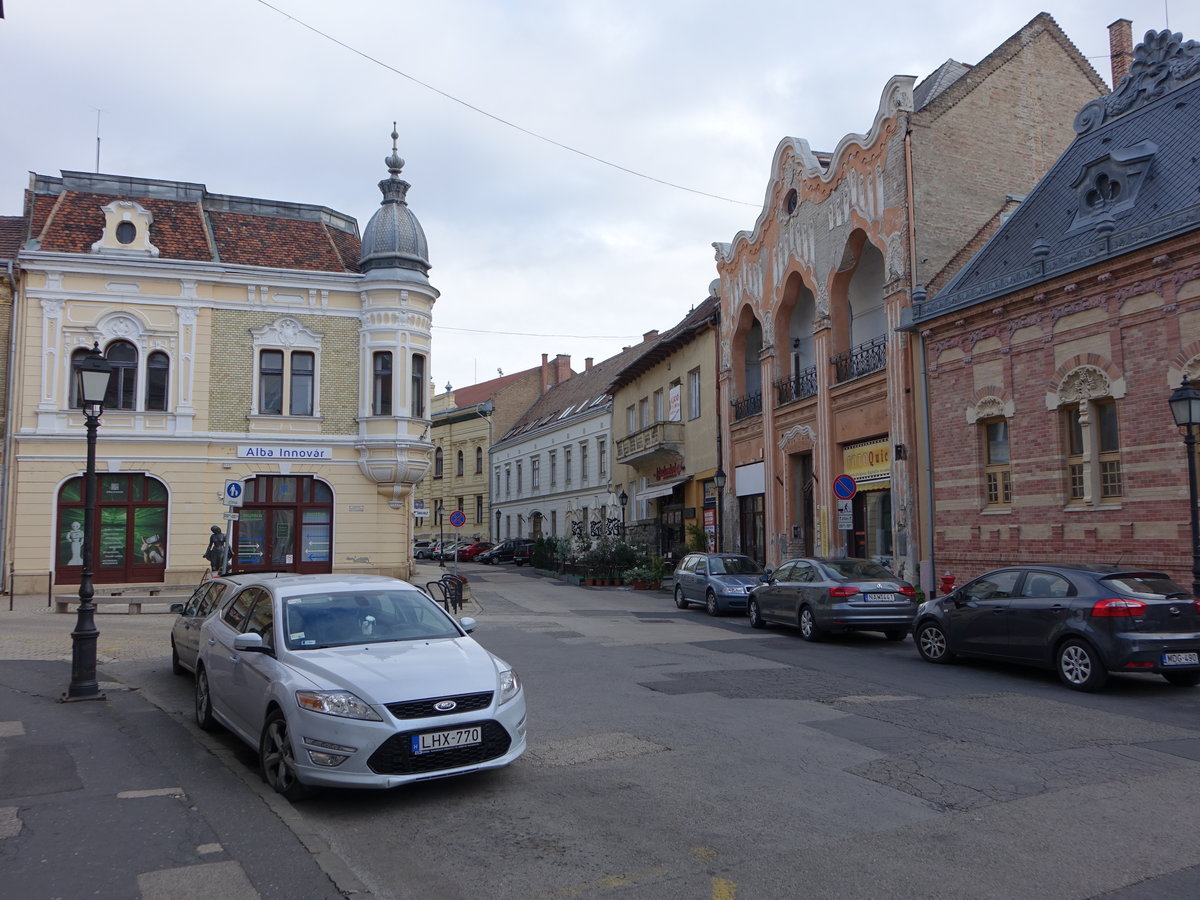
{"type": "Point", "coordinates": [815, 377]}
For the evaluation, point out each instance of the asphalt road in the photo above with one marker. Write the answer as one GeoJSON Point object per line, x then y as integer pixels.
{"type": "Point", "coordinates": [673, 755]}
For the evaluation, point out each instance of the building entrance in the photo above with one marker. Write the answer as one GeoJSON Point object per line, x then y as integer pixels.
{"type": "Point", "coordinates": [285, 523]}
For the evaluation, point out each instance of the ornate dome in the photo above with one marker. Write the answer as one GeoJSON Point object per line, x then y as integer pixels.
{"type": "Point", "coordinates": [394, 239]}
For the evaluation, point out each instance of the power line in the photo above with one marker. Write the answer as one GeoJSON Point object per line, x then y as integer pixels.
{"type": "Point", "coordinates": [495, 118]}
{"type": "Point", "coordinates": [603, 337]}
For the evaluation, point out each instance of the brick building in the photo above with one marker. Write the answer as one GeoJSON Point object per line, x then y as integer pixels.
{"type": "Point", "coordinates": [1050, 356]}
{"type": "Point", "coordinates": [251, 340]}
{"type": "Point", "coordinates": [814, 374]}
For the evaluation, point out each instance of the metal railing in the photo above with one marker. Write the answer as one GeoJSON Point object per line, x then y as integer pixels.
{"type": "Point", "coordinates": [745, 407]}
{"type": "Point", "coordinates": [798, 387]}
{"type": "Point", "coordinates": [867, 357]}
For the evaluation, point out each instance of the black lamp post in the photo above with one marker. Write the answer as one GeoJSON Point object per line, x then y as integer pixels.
{"type": "Point", "coordinates": [92, 375]}
{"type": "Point", "coordinates": [623, 499]}
{"type": "Point", "coordinates": [719, 479]}
{"type": "Point", "coordinates": [1185, 407]}
{"type": "Point", "coordinates": [496, 538]}
{"type": "Point", "coordinates": [441, 537]}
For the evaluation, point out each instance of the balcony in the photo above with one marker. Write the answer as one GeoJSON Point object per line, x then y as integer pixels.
{"type": "Point", "coordinates": [745, 407]}
{"type": "Point", "coordinates": [655, 445]}
{"type": "Point", "coordinates": [798, 387]}
{"type": "Point", "coordinates": [861, 360]}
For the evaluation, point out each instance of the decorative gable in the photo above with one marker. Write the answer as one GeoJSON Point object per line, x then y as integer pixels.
{"type": "Point", "coordinates": [126, 230]}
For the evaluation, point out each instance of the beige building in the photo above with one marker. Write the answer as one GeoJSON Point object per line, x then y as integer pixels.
{"type": "Point", "coordinates": [465, 423]}
{"type": "Point", "coordinates": [252, 342]}
{"type": "Point", "coordinates": [665, 427]}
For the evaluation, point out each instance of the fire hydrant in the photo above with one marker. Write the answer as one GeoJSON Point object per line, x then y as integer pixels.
{"type": "Point", "coordinates": [947, 583]}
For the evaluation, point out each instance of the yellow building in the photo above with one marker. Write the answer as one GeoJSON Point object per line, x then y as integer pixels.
{"type": "Point", "coordinates": [252, 341]}
{"type": "Point", "coordinates": [665, 427]}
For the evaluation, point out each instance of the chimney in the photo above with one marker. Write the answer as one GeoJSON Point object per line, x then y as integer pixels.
{"type": "Point", "coordinates": [562, 367]}
{"type": "Point", "coordinates": [1120, 49]}
{"type": "Point", "coordinates": [545, 372]}
{"type": "Point", "coordinates": [587, 364]}
{"type": "Point", "coordinates": [650, 335]}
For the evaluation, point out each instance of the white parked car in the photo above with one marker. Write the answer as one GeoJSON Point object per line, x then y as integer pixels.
{"type": "Point", "coordinates": [354, 681]}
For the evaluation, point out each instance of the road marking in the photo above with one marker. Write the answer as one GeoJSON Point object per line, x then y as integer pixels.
{"type": "Point", "coordinates": [156, 792]}
{"type": "Point", "coordinates": [723, 889]}
{"type": "Point", "coordinates": [11, 729]}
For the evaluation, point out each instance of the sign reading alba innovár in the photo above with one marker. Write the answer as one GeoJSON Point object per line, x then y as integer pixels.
{"type": "Point", "coordinates": [269, 451]}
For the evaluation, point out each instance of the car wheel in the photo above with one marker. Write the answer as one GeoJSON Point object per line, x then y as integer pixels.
{"type": "Point", "coordinates": [680, 600]}
{"type": "Point", "coordinates": [756, 619]}
{"type": "Point", "coordinates": [1079, 666]}
{"type": "Point", "coordinates": [204, 715]}
{"type": "Point", "coordinates": [276, 760]}
{"type": "Point", "coordinates": [710, 603]}
{"type": "Point", "coordinates": [896, 634]}
{"type": "Point", "coordinates": [932, 643]}
{"type": "Point", "coordinates": [176, 665]}
{"type": "Point", "coordinates": [808, 625]}
{"type": "Point", "coordinates": [1182, 679]}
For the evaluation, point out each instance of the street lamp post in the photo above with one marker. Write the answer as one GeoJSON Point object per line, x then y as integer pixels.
{"type": "Point", "coordinates": [92, 374]}
{"type": "Point", "coordinates": [496, 538]}
{"type": "Point", "coordinates": [1185, 408]}
{"type": "Point", "coordinates": [623, 499]}
{"type": "Point", "coordinates": [719, 479]}
{"type": "Point", "coordinates": [441, 537]}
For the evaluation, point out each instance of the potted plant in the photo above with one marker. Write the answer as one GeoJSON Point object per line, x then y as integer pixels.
{"type": "Point", "coordinates": [640, 577]}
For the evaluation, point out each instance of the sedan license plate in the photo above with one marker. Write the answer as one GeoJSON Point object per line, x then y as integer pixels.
{"type": "Point", "coordinates": [880, 598]}
{"type": "Point", "coordinates": [446, 740]}
{"type": "Point", "coordinates": [1181, 659]}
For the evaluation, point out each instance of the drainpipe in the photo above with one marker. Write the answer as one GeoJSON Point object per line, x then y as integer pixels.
{"type": "Point", "coordinates": [8, 442]}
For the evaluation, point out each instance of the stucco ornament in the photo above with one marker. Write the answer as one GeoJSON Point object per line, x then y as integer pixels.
{"type": "Point", "coordinates": [895, 255]}
{"type": "Point", "coordinates": [286, 332]}
{"type": "Point", "coordinates": [1084, 383]}
{"type": "Point", "coordinates": [792, 438]}
{"type": "Point", "coordinates": [989, 407]}
{"type": "Point", "coordinates": [120, 327]}
{"type": "Point", "coordinates": [1161, 63]}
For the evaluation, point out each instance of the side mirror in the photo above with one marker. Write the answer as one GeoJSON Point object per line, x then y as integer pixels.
{"type": "Point", "coordinates": [467, 623]}
{"type": "Point", "coordinates": [250, 642]}
{"type": "Point", "coordinates": [765, 577]}
{"type": "Point", "coordinates": [177, 609]}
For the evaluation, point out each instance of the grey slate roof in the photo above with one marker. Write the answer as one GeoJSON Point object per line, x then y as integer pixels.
{"type": "Point", "coordinates": [1130, 179]}
{"type": "Point", "coordinates": [937, 81]}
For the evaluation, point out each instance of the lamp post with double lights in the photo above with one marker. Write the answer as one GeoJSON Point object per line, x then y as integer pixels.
{"type": "Point", "coordinates": [719, 479]}
{"type": "Point", "coordinates": [1185, 408]}
{"type": "Point", "coordinates": [92, 375]}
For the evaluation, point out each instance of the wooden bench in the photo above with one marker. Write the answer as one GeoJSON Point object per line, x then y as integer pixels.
{"type": "Point", "coordinates": [133, 600]}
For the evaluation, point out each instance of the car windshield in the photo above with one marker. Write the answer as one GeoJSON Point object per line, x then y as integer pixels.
{"type": "Point", "coordinates": [313, 621]}
{"type": "Point", "coordinates": [1146, 584]}
{"type": "Point", "coordinates": [858, 570]}
{"type": "Point", "coordinates": [734, 565]}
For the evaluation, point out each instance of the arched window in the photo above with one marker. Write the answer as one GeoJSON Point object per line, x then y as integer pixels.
{"type": "Point", "coordinates": [478, 460]}
{"type": "Point", "coordinates": [381, 395]}
{"type": "Point", "coordinates": [122, 386]}
{"type": "Point", "coordinates": [158, 368]}
{"type": "Point", "coordinates": [437, 463]}
{"type": "Point", "coordinates": [459, 470]}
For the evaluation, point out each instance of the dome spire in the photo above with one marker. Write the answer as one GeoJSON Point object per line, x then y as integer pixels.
{"type": "Point", "coordinates": [394, 188]}
{"type": "Point", "coordinates": [394, 239]}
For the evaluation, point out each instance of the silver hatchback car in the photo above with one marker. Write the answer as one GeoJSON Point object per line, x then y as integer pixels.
{"type": "Point", "coordinates": [354, 681]}
{"type": "Point", "coordinates": [819, 596]}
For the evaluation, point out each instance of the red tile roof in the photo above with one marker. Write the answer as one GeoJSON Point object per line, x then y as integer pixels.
{"type": "Point", "coordinates": [478, 393]}
{"type": "Point", "coordinates": [12, 230]}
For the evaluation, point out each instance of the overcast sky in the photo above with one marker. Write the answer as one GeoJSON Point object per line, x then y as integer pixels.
{"type": "Point", "coordinates": [535, 249]}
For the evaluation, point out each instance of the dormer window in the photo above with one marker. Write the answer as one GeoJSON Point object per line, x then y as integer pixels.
{"type": "Point", "coordinates": [1109, 186]}
{"type": "Point", "coordinates": [126, 230]}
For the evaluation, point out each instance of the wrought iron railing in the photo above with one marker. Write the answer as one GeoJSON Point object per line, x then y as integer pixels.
{"type": "Point", "coordinates": [745, 407]}
{"type": "Point", "coordinates": [789, 390]}
{"type": "Point", "coordinates": [861, 360]}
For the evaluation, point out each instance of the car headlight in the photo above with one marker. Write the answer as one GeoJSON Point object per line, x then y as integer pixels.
{"type": "Point", "coordinates": [336, 703]}
{"type": "Point", "coordinates": [510, 684]}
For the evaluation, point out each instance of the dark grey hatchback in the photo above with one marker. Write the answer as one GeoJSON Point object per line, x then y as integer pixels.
{"type": "Point", "coordinates": [1083, 621]}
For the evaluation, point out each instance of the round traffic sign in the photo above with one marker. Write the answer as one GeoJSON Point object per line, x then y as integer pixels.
{"type": "Point", "coordinates": [845, 487]}
{"type": "Point", "coordinates": [457, 519]}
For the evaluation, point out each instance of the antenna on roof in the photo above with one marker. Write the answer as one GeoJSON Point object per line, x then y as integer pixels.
{"type": "Point", "coordinates": [98, 111]}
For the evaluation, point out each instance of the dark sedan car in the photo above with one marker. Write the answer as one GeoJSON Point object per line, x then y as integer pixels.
{"type": "Point", "coordinates": [1083, 621]}
{"type": "Point", "coordinates": [819, 596]}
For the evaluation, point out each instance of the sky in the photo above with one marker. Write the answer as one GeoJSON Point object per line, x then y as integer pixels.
{"type": "Point", "coordinates": [534, 247]}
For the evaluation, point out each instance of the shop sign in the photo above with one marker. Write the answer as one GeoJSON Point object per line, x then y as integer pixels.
{"type": "Point", "coordinates": [675, 403]}
{"type": "Point", "coordinates": [269, 451]}
{"type": "Point", "coordinates": [869, 461]}
{"type": "Point", "coordinates": [665, 473]}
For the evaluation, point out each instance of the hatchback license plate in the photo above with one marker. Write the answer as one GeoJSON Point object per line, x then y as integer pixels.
{"type": "Point", "coordinates": [446, 740]}
{"type": "Point", "coordinates": [1181, 659]}
{"type": "Point", "coordinates": [880, 598]}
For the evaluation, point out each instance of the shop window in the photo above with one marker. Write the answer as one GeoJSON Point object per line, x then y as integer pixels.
{"type": "Point", "coordinates": [129, 543]}
{"type": "Point", "coordinates": [997, 470]}
{"type": "Point", "coordinates": [381, 390]}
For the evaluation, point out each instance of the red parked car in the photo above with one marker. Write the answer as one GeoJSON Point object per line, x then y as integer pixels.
{"type": "Point", "coordinates": [469, 553]}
